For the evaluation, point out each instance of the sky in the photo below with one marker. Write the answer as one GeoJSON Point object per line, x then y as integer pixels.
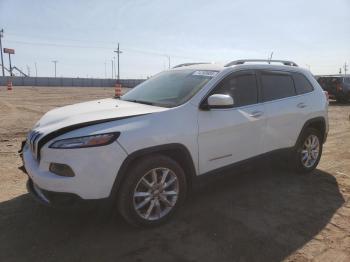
{"type": "Point", "coordinates": [82, 34]}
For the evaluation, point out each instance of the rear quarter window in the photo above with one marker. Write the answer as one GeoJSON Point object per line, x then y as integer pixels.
{"type": "Point", "coordinates": [277, 86]}
{"type": "Point", "coordinates": [302, 84]}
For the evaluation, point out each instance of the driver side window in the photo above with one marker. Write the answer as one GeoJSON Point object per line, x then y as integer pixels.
{"type": "Point", "coordinates": [241, 87]}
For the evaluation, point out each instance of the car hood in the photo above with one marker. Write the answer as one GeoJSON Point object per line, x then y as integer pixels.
{"type": "Point", "coordinates": [86, 112]}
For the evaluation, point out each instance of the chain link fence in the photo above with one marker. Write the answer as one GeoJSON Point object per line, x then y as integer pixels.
{"type": "Point", "coordinates": [65, 81]}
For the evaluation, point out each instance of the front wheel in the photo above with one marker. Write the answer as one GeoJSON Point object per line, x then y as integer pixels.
{"type": "Point", "coordinates": [153, 189]}
{"type": "Point", "coordinates": [308, 151]}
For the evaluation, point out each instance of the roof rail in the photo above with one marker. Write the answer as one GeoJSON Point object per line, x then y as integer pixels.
{"type": "Point", "coordinates": [189, 64]}
{"type": "Point", "coordinates": [242, 61]}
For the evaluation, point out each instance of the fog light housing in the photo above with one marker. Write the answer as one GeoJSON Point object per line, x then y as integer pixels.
{"type": "Point", "coordinates": [61, 170]}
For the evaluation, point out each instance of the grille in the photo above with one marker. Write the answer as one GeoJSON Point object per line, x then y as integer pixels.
{"type": "Point", "coordinates": [32, 141]}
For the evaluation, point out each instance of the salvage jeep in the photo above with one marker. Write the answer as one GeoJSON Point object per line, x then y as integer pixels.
{"type": "Point", "coordinates": [144, 149]}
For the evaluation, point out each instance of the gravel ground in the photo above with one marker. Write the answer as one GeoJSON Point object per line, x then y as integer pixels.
{"type": "Point", "coordinates": [261, 213]}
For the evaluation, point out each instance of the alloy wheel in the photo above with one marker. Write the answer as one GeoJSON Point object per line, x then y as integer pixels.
{"type": "Point", "coordinates": [310, 151]}
{"type": "Point", "coordinates": [156, 193]}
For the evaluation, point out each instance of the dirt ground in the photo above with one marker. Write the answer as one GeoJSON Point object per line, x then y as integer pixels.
{"type": "Point", "coordinates": [256, 214]}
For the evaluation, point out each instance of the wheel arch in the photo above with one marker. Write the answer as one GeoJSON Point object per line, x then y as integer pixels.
{"type": "Point", "coordinates": [176, 151]}
{"type": "Point", "coordinates": [318, 123]}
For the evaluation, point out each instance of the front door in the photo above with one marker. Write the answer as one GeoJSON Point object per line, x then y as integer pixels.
{"type": "Point", "coordinates": [229, 135]}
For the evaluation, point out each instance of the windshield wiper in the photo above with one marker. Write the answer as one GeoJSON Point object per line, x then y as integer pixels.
{"type": "Point", "coordinates": [140, 102]}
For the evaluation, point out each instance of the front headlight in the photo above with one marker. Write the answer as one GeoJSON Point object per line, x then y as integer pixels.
{"type": "Point", "coordinates": [85, 141]}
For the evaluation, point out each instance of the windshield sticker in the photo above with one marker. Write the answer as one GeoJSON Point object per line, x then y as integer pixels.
{"type": "Point", "coordinates": [205, 73]}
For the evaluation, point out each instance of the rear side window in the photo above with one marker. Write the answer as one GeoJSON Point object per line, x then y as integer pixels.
{"type": "Point", "coordinates": [302, 85]}
{"type": "Point", "coordinates": [277, 86]}
{"type": "Point", "coordinates": [242, 88]}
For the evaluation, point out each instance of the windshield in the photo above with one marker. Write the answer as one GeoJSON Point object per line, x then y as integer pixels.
{"type": "Point", "coordinates": [170, 88]}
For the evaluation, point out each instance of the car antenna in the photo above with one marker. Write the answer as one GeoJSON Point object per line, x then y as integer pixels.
{"type": "Point", "coordinates": [269, 58]}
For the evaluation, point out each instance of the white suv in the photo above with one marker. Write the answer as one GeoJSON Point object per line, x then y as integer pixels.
{"type": "Point", "coordinates": [144, 149]}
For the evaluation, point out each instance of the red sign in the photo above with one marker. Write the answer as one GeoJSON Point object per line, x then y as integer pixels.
{"type": "Point", "coordinates": [9, 51]}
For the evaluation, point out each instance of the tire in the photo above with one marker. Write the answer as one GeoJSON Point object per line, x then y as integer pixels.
{"type": "Point", "coordinates": [163, 199]}
{"type": "Point", "coordinates": [305, 159]}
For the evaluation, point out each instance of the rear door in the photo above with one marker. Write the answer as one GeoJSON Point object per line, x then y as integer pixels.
{"type": "Point", "coordinates": [286, 110]}
{"type": "Point", "coordinates": [229, 135]}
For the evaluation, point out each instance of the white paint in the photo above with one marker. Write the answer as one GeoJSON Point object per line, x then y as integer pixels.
{"type": "Point", "coordinates": [214, 138]}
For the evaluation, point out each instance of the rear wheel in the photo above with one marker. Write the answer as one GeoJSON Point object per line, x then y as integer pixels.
{"type": "Point", "coordinates": [308, 151]}
{"type": "Point", "coordinates": [154, 188]}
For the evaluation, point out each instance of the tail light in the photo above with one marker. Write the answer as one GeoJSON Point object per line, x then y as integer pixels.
{"type": "Point", "coordinates": [327, 96]}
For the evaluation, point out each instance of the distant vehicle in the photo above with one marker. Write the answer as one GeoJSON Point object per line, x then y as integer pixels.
{"type": "Point", "coordinates": [337, 86]}
{"type": "Point", "coordinates": [145, 149]}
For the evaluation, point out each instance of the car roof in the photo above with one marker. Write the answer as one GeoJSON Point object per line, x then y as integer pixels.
{"type": "Point", "coordinates": [222, 67]}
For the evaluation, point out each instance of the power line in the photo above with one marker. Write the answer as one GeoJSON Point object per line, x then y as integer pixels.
{"type": "Point", "coordinates": [55, 38]}
{"type": "Point", "coordinates": [99, 47]}
{"type": "Point", "coordinates": [132, 50]}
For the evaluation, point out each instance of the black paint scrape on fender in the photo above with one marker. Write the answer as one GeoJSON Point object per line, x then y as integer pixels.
{"type": "Point", "coordinates": [67, 129]}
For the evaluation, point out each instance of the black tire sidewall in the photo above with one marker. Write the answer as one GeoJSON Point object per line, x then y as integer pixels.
{"type": "Point", "coordinates": [297, 152]}
{"type": "Point", "coordinates": [139, 169]}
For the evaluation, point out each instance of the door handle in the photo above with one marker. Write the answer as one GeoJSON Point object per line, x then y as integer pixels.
{"type": "Point", "coordinates": [301, 105]}
{"type": "Point", "coordinates": [256, 114]}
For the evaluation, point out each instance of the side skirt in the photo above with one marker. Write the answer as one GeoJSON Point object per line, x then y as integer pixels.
{"type": "Point", "coordinates": [247, 163]}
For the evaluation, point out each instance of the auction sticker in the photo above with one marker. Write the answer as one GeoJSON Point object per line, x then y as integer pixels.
{"type": "Point", "coordinates": [207, 73]}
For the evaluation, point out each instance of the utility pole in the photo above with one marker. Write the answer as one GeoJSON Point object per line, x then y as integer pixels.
{"type": "Point", "coordinates": [112, 68]}
{"type": "Point", "coordinates": [168, 61]}
{"type": "Point", "coordinates": [2, 58]}
{"type": "Point", "coordinates": [105, 69]}
{"type": "Point", "coordinates": [345, 68]}
{"type": "Point", "coordinates": [10, 52]}
{"type": "Point", "coordinates": [118, 53]}
{"type": "Point", "coordinates": [55, 62]}
{"type": "Point", "coordinates": [115, 73]}
{"type": "Point", "coordinates": [10, 64]}
{"type": "Point", "coordinates": [28, 70]}
{"type": "Point", "coordinates": [36, 70]}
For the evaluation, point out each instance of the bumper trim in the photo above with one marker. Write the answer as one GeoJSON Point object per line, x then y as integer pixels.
{"type": "Point", "coordinates": [36, 193]}
{"type": "Point", "coordinates": [49, 198]}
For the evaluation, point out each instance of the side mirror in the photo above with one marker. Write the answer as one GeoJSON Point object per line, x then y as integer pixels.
{"type": "Point", "coordinates": [220, 101]}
